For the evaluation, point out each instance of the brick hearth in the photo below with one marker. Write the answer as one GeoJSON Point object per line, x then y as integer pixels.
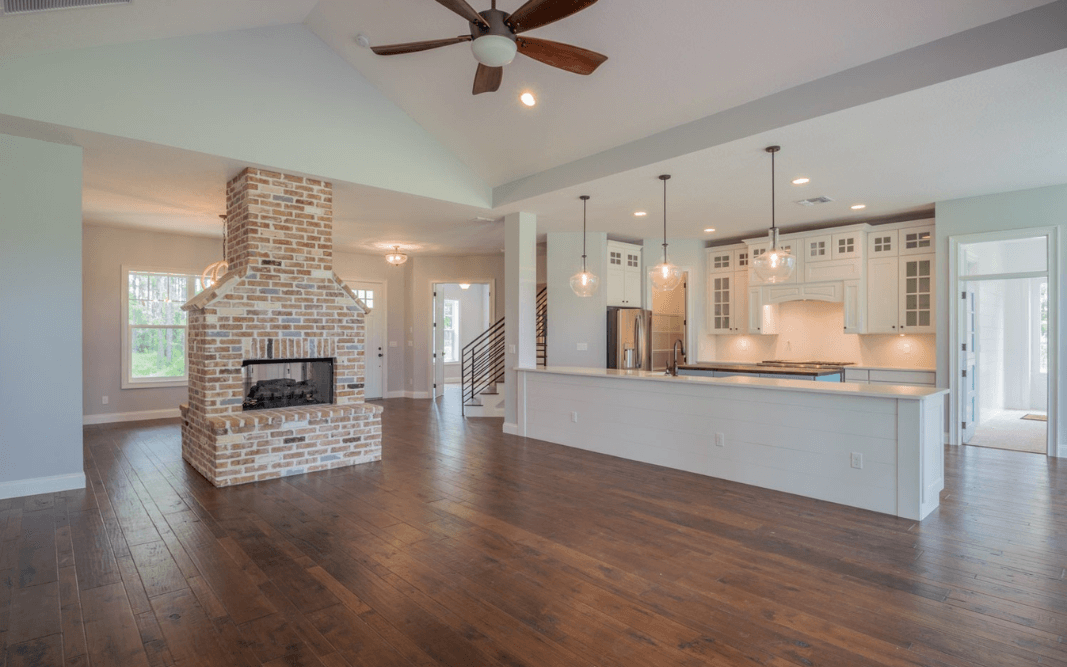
{"type": "Point", "coordinates": [279, 300]}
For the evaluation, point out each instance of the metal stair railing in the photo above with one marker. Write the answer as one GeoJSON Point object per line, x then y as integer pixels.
{"type": "Point", "coordinates": [482, 363]}
{"type": "Point", "coordinates": [542, 327]}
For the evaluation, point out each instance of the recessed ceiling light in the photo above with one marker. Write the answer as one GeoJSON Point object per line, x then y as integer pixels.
{"type": "Point", "coordinates": [528, 99]}
{"type": "Point", "coordinates": [640, 214]}
{"type": "Point", "coordinates": [801, 181]}
{"type": "Point", "coordinates": [858, 207]}
{"type": "Point", "coordinates": [709, 230]}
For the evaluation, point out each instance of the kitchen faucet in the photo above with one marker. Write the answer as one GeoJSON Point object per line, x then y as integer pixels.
{"type": "Point", "coordinates": [678, 344]}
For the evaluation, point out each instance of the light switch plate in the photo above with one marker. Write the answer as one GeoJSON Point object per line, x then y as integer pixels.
{"type": "Point", "coordinates": [393, 343]}
{"type": "Point", "coordinates": [857, 460]}
{"type": "Point", "coordinates": [720, 440]}
{"type": "Point", "coordinates": [511, 348]}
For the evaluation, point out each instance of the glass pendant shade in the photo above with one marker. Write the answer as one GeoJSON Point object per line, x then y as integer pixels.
{"type": "Point", "coordinates": [665, 276]}
{"type": "Point", "coordinates": [777, 264]}
{"type": "Point", "coordinates": [584, 283]}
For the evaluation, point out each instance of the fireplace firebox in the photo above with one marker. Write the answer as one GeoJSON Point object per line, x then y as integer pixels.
{"type": "Point", "coordinates": [287, 383]}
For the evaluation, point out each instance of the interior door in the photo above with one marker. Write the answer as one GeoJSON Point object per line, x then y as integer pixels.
{"type": "Point", "coordinates": [969, 362]}
{"type": "Point", "coordinates": [373, 295]}
{"type": "Point", "coordinates": [438, 384]}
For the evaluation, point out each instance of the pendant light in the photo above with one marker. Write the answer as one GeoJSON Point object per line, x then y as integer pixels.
{"type": "Point", "coordinates": [584, 283]}
{"type": "Point", "coordinates": [666, 276]}
{"type": "Point", "coordinates": [396, 258]}
{"type": "Point", "coordinates": [777, 264]}
{"type": "Point", "coordinates": [216, 270]}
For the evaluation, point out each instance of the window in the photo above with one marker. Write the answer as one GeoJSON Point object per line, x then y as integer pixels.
{"type": "Point", "coordinates": [366, 296]}
{"type": "Point", "coordinates": [154, 337]}
{"type": "Point", "coordinates": [451, 331]}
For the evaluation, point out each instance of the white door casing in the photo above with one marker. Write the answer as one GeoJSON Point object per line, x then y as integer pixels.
{"type": "Point", "coordinates": [968, 362]}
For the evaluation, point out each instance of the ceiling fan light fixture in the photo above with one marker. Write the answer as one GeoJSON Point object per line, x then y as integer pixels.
{"type": "Point", "coordinates": [494, 50]}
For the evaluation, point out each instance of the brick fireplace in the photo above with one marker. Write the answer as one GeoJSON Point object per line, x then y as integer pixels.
{"type": "Point", "coordinates": [280, 301]}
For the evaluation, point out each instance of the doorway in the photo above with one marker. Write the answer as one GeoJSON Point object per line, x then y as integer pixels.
{"type": "Point", "coordinates": [1005, 354]}
{"type": "Point", "coordinates": [461, 313]}
{"type": "Point", "coordinates": [670, 319]}
{"type": "Point", "coordinates": [375, 327]}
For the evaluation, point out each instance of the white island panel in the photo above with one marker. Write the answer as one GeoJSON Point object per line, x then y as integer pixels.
{"type": "Point", "coordinates": [776, 436]}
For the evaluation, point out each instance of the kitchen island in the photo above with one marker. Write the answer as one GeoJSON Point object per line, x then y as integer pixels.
{"type": "Point", "coordinates": [876, 447]}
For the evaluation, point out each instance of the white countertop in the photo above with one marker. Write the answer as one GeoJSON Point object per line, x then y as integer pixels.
{"type": "Point", "coordinates": [808, 386]}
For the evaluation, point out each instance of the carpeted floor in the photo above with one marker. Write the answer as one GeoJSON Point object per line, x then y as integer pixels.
{"type": "Point", "coordinates": [1007, 429]}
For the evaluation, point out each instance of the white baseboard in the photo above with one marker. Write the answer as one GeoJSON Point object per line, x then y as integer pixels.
{"type": "Point", "coordinates": [115, 417]}
{"type": "Point", "coordinates": [395, 394]}
{"type": "Point", "coordinates": [419, 394]}
{"type": "Point", "coordinates": [31, 487]}
{"type": "Point", "coordinates": [511, 429]}
{"type": "Point", "coordinates": [407, 394]}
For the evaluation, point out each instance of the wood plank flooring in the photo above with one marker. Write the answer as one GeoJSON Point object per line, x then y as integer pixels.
{"type": "Point", "coordinates": [467, 547]}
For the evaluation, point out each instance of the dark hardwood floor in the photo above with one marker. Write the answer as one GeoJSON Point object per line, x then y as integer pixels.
{"type": "Point", "coordinates": [467, 547]}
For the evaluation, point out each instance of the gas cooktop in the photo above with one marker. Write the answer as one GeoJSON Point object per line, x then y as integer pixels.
{"type": "Point", "coordinates": [817, 365]}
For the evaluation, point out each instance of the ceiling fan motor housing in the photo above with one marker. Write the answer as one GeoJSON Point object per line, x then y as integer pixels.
{"type": "Point", "coordinates": [494, 46]}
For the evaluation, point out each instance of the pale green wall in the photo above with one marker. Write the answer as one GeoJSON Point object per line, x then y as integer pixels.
{"type": "Point", "coordinates": [277, 97]}
{"type": "Point", "coordinates": [1024, 209]}
{"type": "Point", "coordinates": [40, 316]}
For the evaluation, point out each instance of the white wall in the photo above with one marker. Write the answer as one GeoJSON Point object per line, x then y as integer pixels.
{"type": "Point", "coordinates": [104, 252]}
{"type": "Point", "coordinates": [574, 320]}
{"type": "Point", "coordinates": [40, 317]}
{"type": "Point", "coordinates": [428, 270]}
{"type": "Point", "coordinates": [1041, 207]}
{"type": "Point", "coordinates": [273, 96]}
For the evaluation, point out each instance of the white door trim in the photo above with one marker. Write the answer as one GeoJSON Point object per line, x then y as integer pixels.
{"type": "Point", "coordinates": [434, 282]}
{"type": "Point", "coordinates": [955, 331]}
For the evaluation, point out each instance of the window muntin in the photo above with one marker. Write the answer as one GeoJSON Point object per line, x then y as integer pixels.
{"type": "Point", "coordinates": [450, 330]}
{"type": "Point", "coordinates": [155, 325]}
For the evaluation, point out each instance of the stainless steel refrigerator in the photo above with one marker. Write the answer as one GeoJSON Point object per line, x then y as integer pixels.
{"type": "Point", "coordinates": [629, 337]}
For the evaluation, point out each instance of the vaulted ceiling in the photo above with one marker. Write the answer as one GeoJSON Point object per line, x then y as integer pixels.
{"type": "Point", "coordinates": [877, 102]}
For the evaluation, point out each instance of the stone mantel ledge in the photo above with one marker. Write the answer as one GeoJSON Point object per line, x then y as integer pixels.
{"type": "Point", "coordinates": [224, 424]}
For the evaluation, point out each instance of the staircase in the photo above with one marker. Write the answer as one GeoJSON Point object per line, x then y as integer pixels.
{"type": "Point", "coordinates": [542, 327]}
{"type": "Point", "coordinates": [482, 369]}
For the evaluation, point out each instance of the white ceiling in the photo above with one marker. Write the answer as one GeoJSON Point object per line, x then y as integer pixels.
{"type": "Point", "coordinates": [999, 130]}
{"type": "Point", "coordinates": [62, 30]}
{"type": "Point", "coordinates": [669, 63]}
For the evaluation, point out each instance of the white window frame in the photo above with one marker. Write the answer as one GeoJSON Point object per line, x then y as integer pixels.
{"type": "Point", "coordinates": [127, 381]}
{"type": "Point", "coordinates": [455, 329]}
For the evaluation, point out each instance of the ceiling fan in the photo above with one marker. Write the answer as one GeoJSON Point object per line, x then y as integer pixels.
{"type": "Point", "coordinates": [495, 39]}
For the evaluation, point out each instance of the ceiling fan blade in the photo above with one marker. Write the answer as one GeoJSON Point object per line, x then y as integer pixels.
{"type": "Point", "coordinates": [412, 47]}
{"type": "Point", "coordinates": [536, 13]}
{"type": "Point", "coordinates": [466, 11]}
{"type": "Point", "coordinates": [487, 79]}
{"type": "Point", "coordinates": [564, 56]}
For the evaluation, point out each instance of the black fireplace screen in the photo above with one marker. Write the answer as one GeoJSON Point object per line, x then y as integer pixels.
{"type": "Point", "coordinates": [287, 383]}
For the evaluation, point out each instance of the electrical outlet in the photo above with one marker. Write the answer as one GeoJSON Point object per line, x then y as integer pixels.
{"type": "Point", "coordinates": [857, 460]}
{"type": "Point", "coordinates": [583, 346]}
{"type": "Point", "coordinates": [720, 439]}
{"type": "Point", "coordinates": [574, 417]}
{"type": "Point", "coordinates": [512, 350]}
{"type": "Point", "coordinates": [104, 400]}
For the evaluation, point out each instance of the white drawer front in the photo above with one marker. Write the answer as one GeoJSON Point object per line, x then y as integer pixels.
{"type": "Point", "coordinates": [854, 375]}
{"type": "Point", "coordinates": [921, 378]}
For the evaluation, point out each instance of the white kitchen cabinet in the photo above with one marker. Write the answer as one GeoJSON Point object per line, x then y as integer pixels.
{"type": "Point", "coordinates": [818, 249]}
{"type": "Point", "coordinates": [905, 376]}
{"type": "Point", "coordinates": [762, 316]}
{"type": "Point", "coordinates": [917, 294]}
{"type": "Point", "coordinates": [883, 301]}
{"type": "Point", "coordinates": [855, 305]}
{"type": "Point", "coordinates": [883, 243]}
{"type": "Point", "coordinates": [847, 245]}
{"type": "Point", "coordinates": [721, 312]}
{"type": "Point", "coordinates": [917, 240]}
{"type": "Point", "coordinates": [900, 294]}
{"type": "Point", "coordinates": [722, 260]}
{"type": "Point", "coordinates": [623, 278]}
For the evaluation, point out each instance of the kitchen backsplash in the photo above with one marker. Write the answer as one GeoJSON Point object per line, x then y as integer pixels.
{"type": "Point", "coordinates": [810, 330]}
